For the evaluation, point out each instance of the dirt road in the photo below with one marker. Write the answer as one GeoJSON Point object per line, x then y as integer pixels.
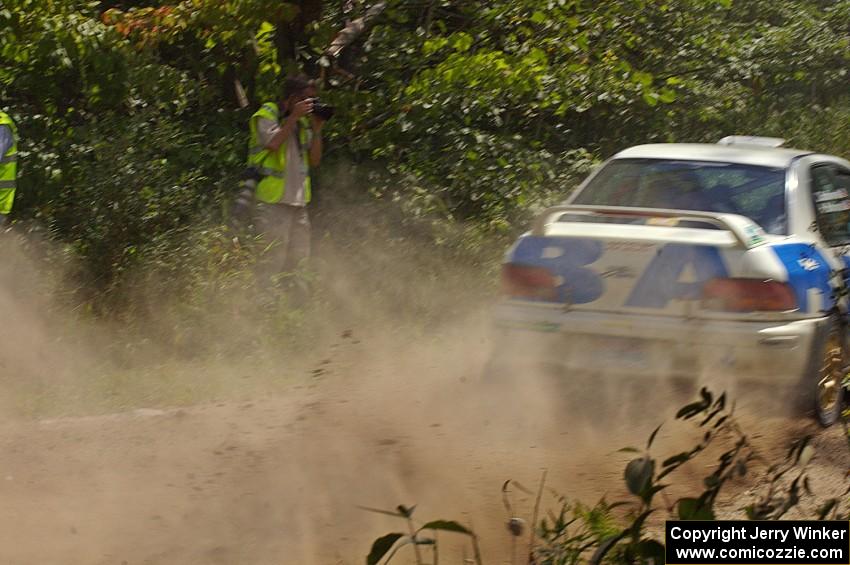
{"type": "Point", "coordinates": [277, 480]}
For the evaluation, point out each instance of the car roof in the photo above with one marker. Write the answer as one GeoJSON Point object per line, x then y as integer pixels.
{"type": "Point", "coordinates": [779, 157]}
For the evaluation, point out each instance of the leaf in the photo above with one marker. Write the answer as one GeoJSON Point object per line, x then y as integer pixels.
{"type": "Point", "coordinates": [606, 546]}
{"type": "Point", "coordinates": [447, 526]}
{"type": "Point", "coordinates": [689, 410]}
{"type": "Point", "coordinates": [651, 549]}
{"type": "Point", "coordinates": [694, 509]}
{"type": "Point", "coordinates": [709, 418]}
{"type": "Point", "coordinates": [652, 436]}
{"type": "Point", "coordinates": [266, 28]}
{"type": "Point", "coordinates": [677, 459]}
{"type": "Point", "coordinates": [379, 511]}
{"type": "Point", "coordinates": [647, 495]}
{"type": "Point", "coordinates": [642, 78]}
{"type": "Point", "coordinates": [462, 42]}
{"type": "Point", "coordinates": [637, 525]}
{"type": "Point", "coordinates": [824, 510]}
{"type": "Point", "coordinates": [628, 450]}
{"type": "Point", "coordinates": [433, 45]}
{"type": "Point", "coordinates": [381, 546]}
{"type": "Point", "coordinates": [538, 17]}
{"type": "Point", "coordinates": [639, 474]}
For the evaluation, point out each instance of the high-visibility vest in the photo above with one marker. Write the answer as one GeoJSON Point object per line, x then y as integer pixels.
{"type": "Point", "coordinates": [8, 167]}
{"type": "Point", "coordinates": [272, 164]}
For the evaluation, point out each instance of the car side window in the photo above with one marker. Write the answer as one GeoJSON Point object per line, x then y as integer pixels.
{"type": "Point", "coordinates": [831, 198]}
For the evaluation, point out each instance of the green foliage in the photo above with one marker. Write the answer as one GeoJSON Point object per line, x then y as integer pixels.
{"type": "Point", "coordinates": [486, 112]}
{"type": "Point", "coordinates": [114, 159]}
{"type": "Point", "coordinates": [381, 547]}
{"type": "Point", "coordinates": [221, 41]}
{"type": "Point", "coordinates": [395, 541]}
{"type": "Point", "coordinates": [60, 58]}
{"type": "Point", "coordinates": [133, 128]}
{"type": "Point", "coordinates": [604, 534]}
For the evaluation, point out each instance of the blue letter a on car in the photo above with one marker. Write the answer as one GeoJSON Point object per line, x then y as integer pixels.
{"type": "Point", "coordinates": [662, 280]}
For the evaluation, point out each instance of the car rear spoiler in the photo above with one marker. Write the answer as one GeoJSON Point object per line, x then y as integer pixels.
{"type": "Point", "coordinates": [747, 233]}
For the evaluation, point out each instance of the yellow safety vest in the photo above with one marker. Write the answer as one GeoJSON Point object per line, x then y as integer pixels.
{"type": "Point", "coordinates": [272, 164]}
{"type": "Point", "coordinates": [8, 167]}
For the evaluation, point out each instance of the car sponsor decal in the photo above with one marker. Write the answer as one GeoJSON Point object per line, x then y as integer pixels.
{"type": "Point", "coordinates": [663, 279]}
{"type": "Point", "coordinates": [807, 269]}
{"type": "Point", "coordinates": [755, 235]}
{"type": "Point", "coordinates": [580, 285]}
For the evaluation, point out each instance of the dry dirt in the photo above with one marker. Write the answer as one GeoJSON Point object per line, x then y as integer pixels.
{"type": "Point", "coordinates": [381, 418]}
{"type": "Point", "coordinates": [378, 421]}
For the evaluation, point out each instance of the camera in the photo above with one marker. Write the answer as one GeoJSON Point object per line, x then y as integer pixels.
{"type": "Point", "coordinates": [322, 110]}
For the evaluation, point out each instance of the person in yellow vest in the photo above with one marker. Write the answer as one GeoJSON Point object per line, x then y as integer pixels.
{"type": "Point", "coordinates": [285, 143]}
{"type": "Point", "coordinates": [8, 165]}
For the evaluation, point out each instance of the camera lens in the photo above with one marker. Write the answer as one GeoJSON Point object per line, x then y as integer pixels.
{"type": "Point", "coordinates": [323, 111]}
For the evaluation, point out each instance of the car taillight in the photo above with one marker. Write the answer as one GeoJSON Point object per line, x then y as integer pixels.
{"type": "Point", "coordinates": [522, 281]}
{"type": "Point", "coordinates": [747, 295]}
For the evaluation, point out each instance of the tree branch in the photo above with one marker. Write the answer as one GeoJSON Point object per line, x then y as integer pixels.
{"type": "Point", "coordinates": [353, 30]}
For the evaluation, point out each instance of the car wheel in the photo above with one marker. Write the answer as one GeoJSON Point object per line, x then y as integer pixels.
{"type": "Point", "coordinates": [826, 375]}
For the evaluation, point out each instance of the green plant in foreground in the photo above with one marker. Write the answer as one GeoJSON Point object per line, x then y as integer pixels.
{"type": "Point", "coordinates": [389, 544]}
{"type": "Point", "coordinates": [617, 533]}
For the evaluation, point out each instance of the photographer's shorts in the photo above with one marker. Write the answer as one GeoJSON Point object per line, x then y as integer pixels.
{"type": "Point", "coordinates": [287, 228]}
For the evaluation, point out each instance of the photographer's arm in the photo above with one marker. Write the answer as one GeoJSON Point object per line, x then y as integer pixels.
{"type": "Point", "coordinates": [288, 126]}
{"type": "Point", "coordinates": [282, 134]}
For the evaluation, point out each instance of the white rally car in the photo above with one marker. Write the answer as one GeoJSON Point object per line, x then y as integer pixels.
{"type": "Point", "coordinates": [697, 260]}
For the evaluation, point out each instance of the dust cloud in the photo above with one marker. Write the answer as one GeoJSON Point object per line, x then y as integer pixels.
{"type": "Point", "coordinates": [271, 457]}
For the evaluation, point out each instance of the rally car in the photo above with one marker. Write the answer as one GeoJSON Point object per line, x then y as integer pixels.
{"type": "Point", "coordinates": [702, 260]}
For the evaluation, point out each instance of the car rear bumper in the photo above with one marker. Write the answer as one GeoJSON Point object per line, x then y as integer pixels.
{"type": "Point", "coordinates": [719, 351]}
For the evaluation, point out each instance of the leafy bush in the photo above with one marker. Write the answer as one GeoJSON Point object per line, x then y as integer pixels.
{"type": "Point", "coordinates": [133, 127]}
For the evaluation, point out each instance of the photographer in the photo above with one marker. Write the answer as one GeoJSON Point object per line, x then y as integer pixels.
{"type": "Point", "coordinates": [8, 165]}
{"type": "Point", "coordinates": [286, 142]}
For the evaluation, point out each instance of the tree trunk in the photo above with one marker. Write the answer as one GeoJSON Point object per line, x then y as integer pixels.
{"type": "Point", "coordinates": [291, 37]}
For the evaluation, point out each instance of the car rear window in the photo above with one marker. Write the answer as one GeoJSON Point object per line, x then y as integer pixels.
{"type": "Point", "coordinates": [752, 191]}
